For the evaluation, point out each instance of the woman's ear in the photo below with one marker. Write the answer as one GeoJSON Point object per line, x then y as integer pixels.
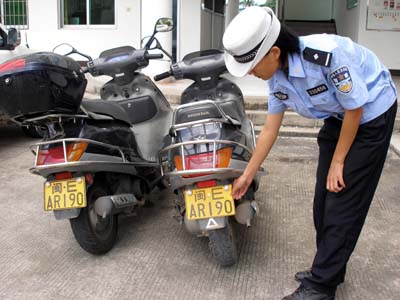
{"type": "Point", "coordinates": [275, 52]}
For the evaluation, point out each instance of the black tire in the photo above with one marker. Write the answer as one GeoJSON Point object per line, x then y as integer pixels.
{"type": "Point", "coordinates": [94, 234]}
{"type": "Point", "coordinates": [222, 244]}
{"type": "Point", "coordinates": [33, 131]}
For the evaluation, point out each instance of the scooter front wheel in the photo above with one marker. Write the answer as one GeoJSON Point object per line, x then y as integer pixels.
{"type": "Point", "coordinates": [94, 234]}
{"type": "Point", "coordinates": [222, 244]}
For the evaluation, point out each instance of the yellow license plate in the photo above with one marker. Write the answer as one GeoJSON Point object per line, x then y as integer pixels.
{"type": "Point", "coordinates": [65, 194]}
{"type": "Point", "coordinates": [209, 202]}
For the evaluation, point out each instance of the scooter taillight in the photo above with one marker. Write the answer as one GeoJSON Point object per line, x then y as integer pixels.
{"type": "Point", "coordinates": [206, 184]}
{"type": "Point", "coordinates": [55, 154]}
{"type": "Point", "coordinates": [204, 160]}
{"type": "Point", "coordinates": [12, 65]}
{"type": "Point", "coordinates": [64, 175]}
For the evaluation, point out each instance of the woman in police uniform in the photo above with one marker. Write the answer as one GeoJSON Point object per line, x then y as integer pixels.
{"type": "Point", "coordinates": [331, 78]}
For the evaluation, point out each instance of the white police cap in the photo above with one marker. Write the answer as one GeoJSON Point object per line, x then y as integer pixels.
{"type": "Point", "coordinates": [249, 36]}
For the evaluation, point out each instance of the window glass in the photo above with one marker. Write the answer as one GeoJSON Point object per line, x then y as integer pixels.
{"type": "Point", "coordinates": [74, 12]}
{"type": "Point", "coordinates": [217, 6]}
{"type": "Point", "coordinates": [1, 41]}
{"type": "Point", "coordinates": [208, 4]}
{"type": "Point", "coordinates": [102, 12]}
{"type": "Point", "coordinates": [89, 12]}
{"type": "Point", "coordinates": [15, 13]}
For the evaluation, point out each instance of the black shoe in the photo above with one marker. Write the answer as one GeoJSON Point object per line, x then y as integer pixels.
{"type": "Point", "coordinates": [303, 293]}
{"type": "Point", "coordinates": [299, 276]}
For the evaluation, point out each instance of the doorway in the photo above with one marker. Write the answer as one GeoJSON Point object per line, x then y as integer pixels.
{"type": "Point", "coordinates": [308, 16]}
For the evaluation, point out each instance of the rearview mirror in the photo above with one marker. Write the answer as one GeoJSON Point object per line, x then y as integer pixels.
{"type": "Point", "coordinates": [13, 38]}
{"type": "Point", "coordinates": [146, 40]}
{"type": "Point", "coordinates": [164, 25]}
{"type": "Point", "coordinates": [64, 49]}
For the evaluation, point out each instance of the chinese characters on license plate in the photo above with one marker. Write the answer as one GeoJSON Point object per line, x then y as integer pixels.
{"type": "Point", "coordinates": [209, 202]}
{"type": "Point", "coordinates": [65, 194]}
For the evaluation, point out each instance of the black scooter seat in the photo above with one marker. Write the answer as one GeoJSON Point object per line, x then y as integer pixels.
{"type": "Point", "coordinates": [107, 108]}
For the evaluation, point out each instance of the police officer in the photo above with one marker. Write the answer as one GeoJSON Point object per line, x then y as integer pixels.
{"type": "Point", "coordinates": [326, 77]}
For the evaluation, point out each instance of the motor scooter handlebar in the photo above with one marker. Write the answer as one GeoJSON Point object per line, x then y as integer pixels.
{"type": "Point", "coordinates": [162, 76]}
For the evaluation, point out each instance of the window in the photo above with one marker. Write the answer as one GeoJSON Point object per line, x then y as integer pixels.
{"type": "Point", "coordinates": [14, 13]}
{"type": "Point", "coordinates": [88, 12]}
{"type": "Point", "coordinates": [217, 6]}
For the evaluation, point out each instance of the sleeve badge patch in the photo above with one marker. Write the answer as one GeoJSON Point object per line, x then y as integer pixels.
{"type": "Point", "coordinates": [281, 96]}
{"type": "Point", "coordinates": [341, 78]}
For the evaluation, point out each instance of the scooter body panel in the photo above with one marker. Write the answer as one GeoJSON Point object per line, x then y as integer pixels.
{"type": "Point", "coordinates": [147, 109]}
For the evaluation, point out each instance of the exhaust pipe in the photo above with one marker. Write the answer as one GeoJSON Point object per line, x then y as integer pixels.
{"type": "Point", "coordinates": [111, 205]}
{"type": "Point", "coordinates": [245, 212]}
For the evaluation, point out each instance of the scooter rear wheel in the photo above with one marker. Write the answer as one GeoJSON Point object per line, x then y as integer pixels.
{"type": "Point", "coordinates": [222, 244]}
{"type": "Point", "coordinates": [93, 233]}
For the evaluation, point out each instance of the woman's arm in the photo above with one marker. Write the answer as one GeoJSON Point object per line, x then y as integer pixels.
{"type": "Point", "coordinates": [265, 141]}
{"type": "Point", "coordinates": [351, 122]}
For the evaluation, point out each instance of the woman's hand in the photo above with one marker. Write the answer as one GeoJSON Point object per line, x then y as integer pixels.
{"type": "Point", "coordinates": [240, 186]}
{"type": "Point", "coordinates": [265, 141]}
{"type": "Point", "coordinates": [334, 181]}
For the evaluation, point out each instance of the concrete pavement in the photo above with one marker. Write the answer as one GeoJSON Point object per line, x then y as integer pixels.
{"type": "Point", "coordinates": [155, 258]}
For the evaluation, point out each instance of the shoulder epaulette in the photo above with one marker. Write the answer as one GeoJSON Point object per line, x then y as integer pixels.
{"type": "Point", "coordinates": [318, 57]}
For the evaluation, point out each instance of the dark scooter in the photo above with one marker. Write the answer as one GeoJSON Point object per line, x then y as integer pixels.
{"type": "Point", "coordinates": [99, 157]}
{"type": "Point", "coordinates": [210, 143]}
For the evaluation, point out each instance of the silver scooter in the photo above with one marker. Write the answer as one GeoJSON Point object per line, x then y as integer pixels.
{"type": "Point", "coordinates": [210, 143]}
{"type": "Point", "coordinates": [99, 157]}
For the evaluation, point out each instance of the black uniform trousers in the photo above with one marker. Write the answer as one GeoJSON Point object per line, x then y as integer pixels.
{"type": "Point", "coordinates": [339, 217]}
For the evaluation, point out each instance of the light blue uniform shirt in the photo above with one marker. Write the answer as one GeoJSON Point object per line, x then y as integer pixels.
{"type": "Point", "coordinates": [355, 78]}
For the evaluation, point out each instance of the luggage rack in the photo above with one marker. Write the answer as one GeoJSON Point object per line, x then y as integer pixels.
{"type": "Point", "coordinates": [179, 178]}
{"type": "Point", "coordinates": [186, 176]}
{"type": "Point", "coordinates": [224, 118]}
{"type": "Point", "coordinates": [25, 120]}
{"type": "Point", "coordinates": [112, 163]}
{"type": "Point", "coordinates": [71, 140]}
{"type": "Point", "coordinates": [214, 169]}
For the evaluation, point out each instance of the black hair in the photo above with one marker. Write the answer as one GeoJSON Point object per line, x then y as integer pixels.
{"type": "Point", "coordinates": [287, 42]}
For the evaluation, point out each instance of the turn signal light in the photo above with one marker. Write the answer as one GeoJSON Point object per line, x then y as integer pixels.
{"type": "Point", "coordinates": [55, 155]}
{"type": "Point", "coordinates": [204, 160]}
